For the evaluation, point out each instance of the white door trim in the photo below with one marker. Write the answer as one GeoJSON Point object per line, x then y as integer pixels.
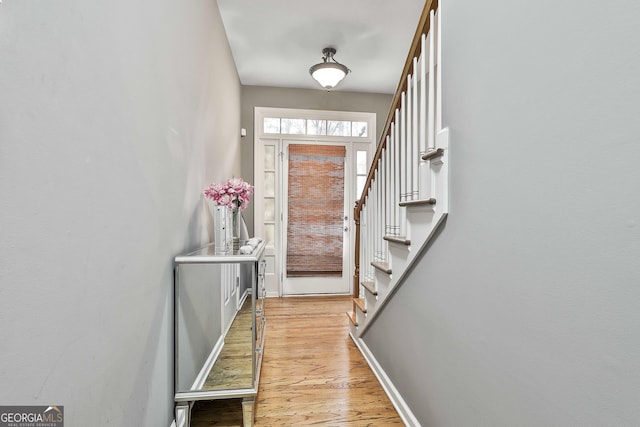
{"type": "Point", "coordinates": [275, 272]}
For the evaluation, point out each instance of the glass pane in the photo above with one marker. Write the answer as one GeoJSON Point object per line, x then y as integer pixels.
{"type": "Point", "coordinates": [361, 162]}
{"type": "Point", "coordinates": [338, 128]}
{"type": "Point", "coordinates": [269, 233]}
{"type": "Point", "coordinates": [316, 127]}
{"type": "Point", "coordinates": [269, 210]}
{"type": "Point", "coordinates": [293, 126]}
{"type": "Point", "coordinates": [359, 129]}
{"type": "Point", "coordinates": [269, 184]}
{"type": "Point", "coordinates": [271, 125]}
{"type": "Point", "coordinates": [361, 180]}
{"type": "Point", "coordinates": [270, 157]}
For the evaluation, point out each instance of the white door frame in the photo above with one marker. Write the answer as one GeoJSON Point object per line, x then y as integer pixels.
{"type": "Point", "coordinates": [317, 285]}
{"type": "Point", "coordinates": [275, 254]}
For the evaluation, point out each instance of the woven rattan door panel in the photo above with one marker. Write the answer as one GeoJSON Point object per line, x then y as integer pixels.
{"type": "Point", "coordinates": [315, 226]}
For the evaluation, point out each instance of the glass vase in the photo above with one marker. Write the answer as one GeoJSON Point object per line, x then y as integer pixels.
{"type": "Point", "coordinates": [236, 220]}
{"type": "Point", "coordinates": [222, 232]}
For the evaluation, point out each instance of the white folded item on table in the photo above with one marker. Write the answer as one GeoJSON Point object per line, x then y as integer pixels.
{"type": "Point", "coordinates": [246, 249]}
{"type": "Point", "coordinates": [254, 241]}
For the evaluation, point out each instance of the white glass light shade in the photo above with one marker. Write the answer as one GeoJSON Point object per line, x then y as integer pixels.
{"type": "Point", "coordinates": [328, 74]}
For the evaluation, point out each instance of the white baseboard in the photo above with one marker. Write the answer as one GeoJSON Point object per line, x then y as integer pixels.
{"type": "Point", "coordinates": [396, 399]}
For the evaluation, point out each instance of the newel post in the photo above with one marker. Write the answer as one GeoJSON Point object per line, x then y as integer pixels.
{"type": "Point", "coordinates": [356, 258]}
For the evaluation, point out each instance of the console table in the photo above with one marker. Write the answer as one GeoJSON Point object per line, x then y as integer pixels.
{"type": "Point", "coordinates": [219, 325]}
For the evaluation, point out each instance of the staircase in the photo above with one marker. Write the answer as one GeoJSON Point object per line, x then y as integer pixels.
{"type": "Point", "coordinates": [406, 194]}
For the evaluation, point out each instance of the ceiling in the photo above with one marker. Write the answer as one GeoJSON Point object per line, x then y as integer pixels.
{"type": "Point", "coordinates": [274, 42]}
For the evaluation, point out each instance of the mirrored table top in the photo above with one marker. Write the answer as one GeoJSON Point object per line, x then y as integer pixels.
{"type": "Point", "coordinates": [209, 254]}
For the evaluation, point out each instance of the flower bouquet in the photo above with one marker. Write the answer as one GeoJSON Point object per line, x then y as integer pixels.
{"type": "Point", "coordinates": [230, 198]}
{"type": "Point", "coordinates": [234, 193]}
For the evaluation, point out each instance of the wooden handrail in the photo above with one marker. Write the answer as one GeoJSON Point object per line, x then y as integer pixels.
{"type": "Point", "coordinates": [423, 28]}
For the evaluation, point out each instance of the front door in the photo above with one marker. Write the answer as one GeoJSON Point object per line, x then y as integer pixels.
{"type": "Point", "coordinates": [316, 221]}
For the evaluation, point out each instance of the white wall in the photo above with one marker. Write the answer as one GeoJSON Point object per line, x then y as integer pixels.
{"type": "Point", "coordinates": [525, 310]}
{"type": "Point", "coordinates": [114, 116]}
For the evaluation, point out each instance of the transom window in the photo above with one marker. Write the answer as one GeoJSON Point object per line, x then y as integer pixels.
{"type": "Point", "coordinates": [353, 129]}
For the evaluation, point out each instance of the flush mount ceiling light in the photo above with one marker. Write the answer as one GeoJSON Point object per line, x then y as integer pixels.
{"type": "Point", "coordinates": [329, 72]}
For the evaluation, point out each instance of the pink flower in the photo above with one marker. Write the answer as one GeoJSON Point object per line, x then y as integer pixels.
{"type": "Point", "coordinates": [234, 193]}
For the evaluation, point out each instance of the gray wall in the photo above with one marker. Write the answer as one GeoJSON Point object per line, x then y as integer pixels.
{"type": "Point", "coordinates": [525, 310]}
{"type": "Point", "coordinates": [113, 118]}
{"type": "Point", "coordinates": [259, 96]}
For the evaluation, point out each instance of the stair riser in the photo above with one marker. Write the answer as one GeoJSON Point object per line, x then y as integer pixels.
{"type": "Point", "coordinates": [419, 219]}
{"type": "Point", "coordinates": [371, 301]}
{"type": "Point", "coordinates": [383, 282]}
{"type": "Point", "coordinates": [400, 256]}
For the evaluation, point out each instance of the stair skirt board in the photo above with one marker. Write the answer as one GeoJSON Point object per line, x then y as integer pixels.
{"type": "Point", "coordinates": [388, 285]}
{"type": "Point", "coordinates": [396, 399]}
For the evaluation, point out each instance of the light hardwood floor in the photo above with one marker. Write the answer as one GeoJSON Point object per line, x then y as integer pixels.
{"type": "Point", "coordinates": [312, 373]}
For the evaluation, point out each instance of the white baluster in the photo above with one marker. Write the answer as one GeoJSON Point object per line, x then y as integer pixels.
{"type": "Point", "coordinates": [379, 215]}
{"type": "Point", "coordinates": [385, 182]}
{"type": "Point", "coordinates": [423, 97]}
{"type": "Point", "coordinates": [392, 176]}
{"type": "Point", "coordinates": [402, 152]}
{"type": "Point", "coordinates": [409, 147]}
{"type": "Point", "coordinates": [402, 148]}
{"type": "Point", "coordinates": [367, 249]}
{"type": "Point", "coordinates": [431, 108]}
{"type": "Point", "coordinates": [424, 167]}
{"type": "Point", "coordinates": [438, 34]}
{"type": "Point", "coordinates": [380, 235]}
{"type": "Point", "coordinates": [415, 126]}
{"type": "Point", "coordinates": [376, 218]}
{"type": "Point", "coordinates": [376, 227]}
{"type": "Point", "coordinates": [383, 243]}
{"type": "Point", "coordinates": [396, 177]}
{"type": "Point", "coordinates": [388, 181]}
{"type": "Point", "coordinates": [370, 224]}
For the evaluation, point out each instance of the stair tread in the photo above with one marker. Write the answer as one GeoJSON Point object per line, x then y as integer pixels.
{"type": "Point", "coordinates": [359, 302]}
{"type": "Point", "coordinates": [371, 287]}
{"type": "Point", "coordinates": [398, 239]}
{"type": "Point", "coordinates": [382, 266]}
{"type": "Point", "coordinates": [352, 317]}
{"type": "Point", "coordinates": [430, 201]}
